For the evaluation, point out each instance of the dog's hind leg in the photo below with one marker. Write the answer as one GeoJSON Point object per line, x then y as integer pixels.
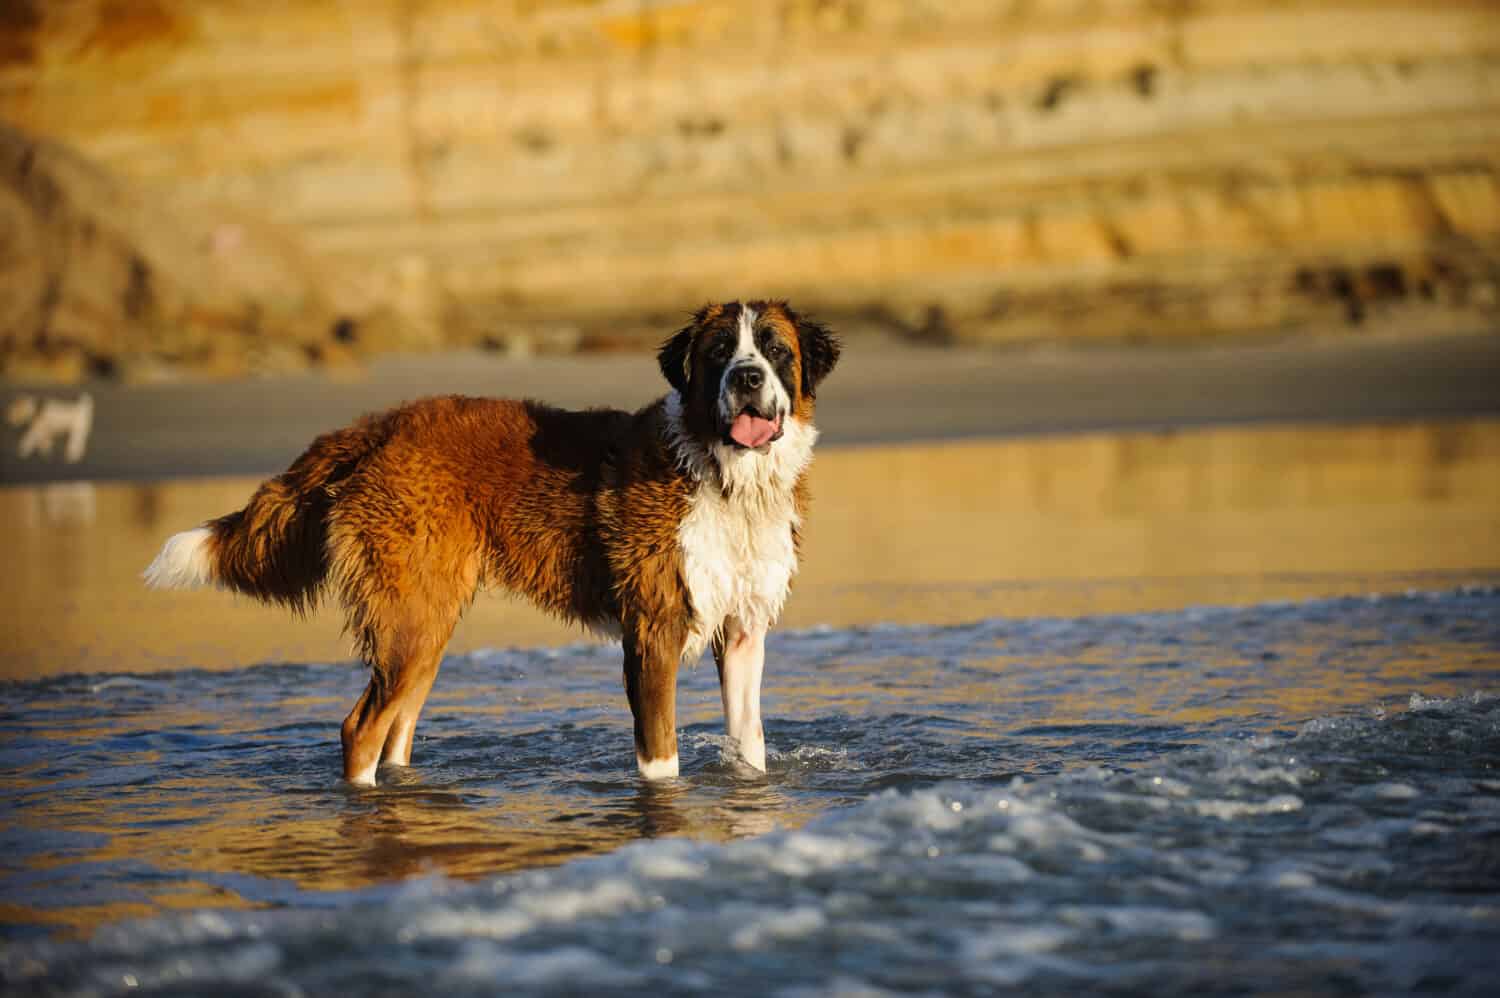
{"type": "Point", "coordinates": [404, 600]}
{"type": "Point", "coordinates": [384, 719]}
{"type": "Point", "coordinates": [359, 762]}
{"type": "Point", "coordinates": [407, 708]}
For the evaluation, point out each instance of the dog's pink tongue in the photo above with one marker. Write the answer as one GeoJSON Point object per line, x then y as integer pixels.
{"type": "Point", "coordinates": [749, 430]}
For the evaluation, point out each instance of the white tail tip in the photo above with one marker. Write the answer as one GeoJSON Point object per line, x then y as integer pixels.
{"type": "Point", "coordinates": [184, 562]}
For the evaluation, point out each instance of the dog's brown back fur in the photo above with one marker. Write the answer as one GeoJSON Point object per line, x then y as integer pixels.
{"type": "Point", "coordinates": [421, 505]}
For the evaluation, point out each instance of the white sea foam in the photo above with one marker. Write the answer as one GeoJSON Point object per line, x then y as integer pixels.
{"type": "Point", "coordinates": [772, 926]}
{"type": "Point", "coordinates": [667, 864]}
{"type": "Point", "coordinates": [1228, 810]}
{"type": "Point", "coordinates": [1395, 791]}
{"type": "Point", "coordinates": [528, 910]}
{"type": "Point", "coordinates": [820, 757]}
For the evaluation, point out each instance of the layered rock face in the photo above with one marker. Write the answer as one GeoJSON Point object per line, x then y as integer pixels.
{"type": "Point", "coordinates": [99, 279]}
{"type": "Point", "coordinates": [564, 172]}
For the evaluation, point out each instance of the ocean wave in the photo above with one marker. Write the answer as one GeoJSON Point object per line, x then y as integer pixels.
{"type": "Point", "coordinates": [1347, 854]}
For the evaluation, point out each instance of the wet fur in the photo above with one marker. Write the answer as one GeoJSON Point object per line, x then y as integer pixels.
{"type": "Point", "coordinates": [614, 520]}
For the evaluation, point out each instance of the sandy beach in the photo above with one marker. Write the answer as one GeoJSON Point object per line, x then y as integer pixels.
{"type": "Point", "coordinates": [883, 392]}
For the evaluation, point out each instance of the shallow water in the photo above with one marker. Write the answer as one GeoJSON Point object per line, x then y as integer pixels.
{"type": "Point", "coordinates": [1296, 796]}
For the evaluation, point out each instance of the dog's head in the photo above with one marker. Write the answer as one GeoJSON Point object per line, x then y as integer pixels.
{"type": "Point", "coordinates": [743, 370]}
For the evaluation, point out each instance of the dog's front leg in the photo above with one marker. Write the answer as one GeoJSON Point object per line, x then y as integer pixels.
{"type": "Point", "coordinates": [651, 657]}
{"type": "Point", "coordinates": [740, 654]}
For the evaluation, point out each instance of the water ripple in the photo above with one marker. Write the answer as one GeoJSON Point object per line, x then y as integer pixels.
{"type": "Point", "coordinates": [1304, 793]}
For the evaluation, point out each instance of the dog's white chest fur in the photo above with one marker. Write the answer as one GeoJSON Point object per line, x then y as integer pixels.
{"type": "Point", "coordinates": [738, 554]}
{"type": "Point", "coordinates": [738, 559]}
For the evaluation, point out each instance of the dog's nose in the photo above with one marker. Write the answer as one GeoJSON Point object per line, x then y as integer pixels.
{"type": "Point", "coordinates": [747, 379]}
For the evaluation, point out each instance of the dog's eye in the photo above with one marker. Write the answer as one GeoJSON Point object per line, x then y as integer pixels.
{"type": "Point", "coordinates": [776, 352]}
{"type": "Point", "coordinates": [720, 351]}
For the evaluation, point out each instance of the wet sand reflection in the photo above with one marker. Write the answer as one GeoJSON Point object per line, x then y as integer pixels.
{"type": "Point", "coordinates": [911, 533]}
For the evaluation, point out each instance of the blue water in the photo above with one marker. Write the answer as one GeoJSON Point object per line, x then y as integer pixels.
{"type": "Point", "coordinates": [1296, 797]}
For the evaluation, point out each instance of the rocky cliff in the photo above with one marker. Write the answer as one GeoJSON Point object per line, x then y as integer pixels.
{"type": "Point", "coordinates": [564, 172]}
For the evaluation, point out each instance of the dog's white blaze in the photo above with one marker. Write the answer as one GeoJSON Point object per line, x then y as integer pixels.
{"type": "Point", "coordinates": [657, 769]}
{"type": "Point", "coordinates": [744, 663]}
{"type": "Point", "coordinates": [738, 557]}
{"type": "Point", "coordinates": [746, 346]}
{"type": "Point", "coordinates": [184, 562]}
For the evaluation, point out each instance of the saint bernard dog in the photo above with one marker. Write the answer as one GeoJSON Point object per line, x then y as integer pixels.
{"type": "Point", "coordinates": [673, 529]}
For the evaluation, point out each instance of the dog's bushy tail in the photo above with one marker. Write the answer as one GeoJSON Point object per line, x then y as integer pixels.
{"type": "Point", "coordinates": [274, 549]}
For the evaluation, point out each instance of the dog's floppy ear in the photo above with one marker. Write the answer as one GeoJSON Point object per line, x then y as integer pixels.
{"type": "Point", "coordinates": [676, 356]}
{"type": "Point", "coordinates": [820, 351]}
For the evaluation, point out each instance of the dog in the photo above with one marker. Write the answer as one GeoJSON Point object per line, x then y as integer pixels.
{"type": "Point", "coordinates": [48, 420]}
{"type": "Point", "coordinates": [674, 528]}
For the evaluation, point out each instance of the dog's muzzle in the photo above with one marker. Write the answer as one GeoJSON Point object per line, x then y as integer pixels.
{"type": "Point", "coordinates": [753, 419]}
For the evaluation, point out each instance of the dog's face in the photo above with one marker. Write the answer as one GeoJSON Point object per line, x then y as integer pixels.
{"type": "Point", "coordinates": [743, 370]}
